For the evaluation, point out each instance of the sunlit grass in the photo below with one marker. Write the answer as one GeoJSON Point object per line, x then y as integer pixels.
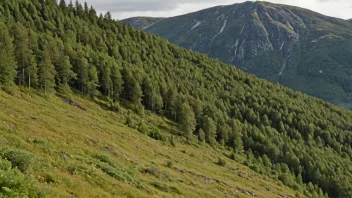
{"type": "Point", "coordinates": [92, 153]}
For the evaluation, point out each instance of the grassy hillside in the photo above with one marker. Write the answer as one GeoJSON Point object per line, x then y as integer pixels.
{"type": "Point", "coordinates": [68, 152]}
{"type": "Point", "coordinates": [62, 49]}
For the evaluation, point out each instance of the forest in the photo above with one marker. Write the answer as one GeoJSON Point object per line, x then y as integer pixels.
{"type": "Point", "coordinates": [60, 48]}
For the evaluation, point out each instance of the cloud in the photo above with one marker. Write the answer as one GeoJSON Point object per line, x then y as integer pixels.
{"type": "Point", "coordinates": [165, 8]}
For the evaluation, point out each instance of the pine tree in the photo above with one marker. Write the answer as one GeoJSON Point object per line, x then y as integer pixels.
{"type": "Point", "coordinates": [209, 128]}
{"type": "Point", "coordinates": [187, 120]}
{"type": "Point", "coordinates": [46, 73]}
{"type": "Point", "coordinates": [62, 4]}
{"type": "Point", "coordinates": [32, 70]}
{"type": "Point", "coordinates": [21, 51]}
{"type": "Point", "coordinates": [32, 67]}
{"type": "Point", "coordinates": [82, 73]}
{"type": "Point", "coordinates": [136, 93]}
{"type": "Point", "coordinates": [92, 81]}
{"type": "Point", "coordinates": [201, 135]}
{"type": "Point", "coordinates": [8, 63]}
{"type": "Point", "coordinates": [117, 83]}
{"type": "Point", "coordinates": [171, 101]}
{"type": "Point", "coordinates": [106, 81]}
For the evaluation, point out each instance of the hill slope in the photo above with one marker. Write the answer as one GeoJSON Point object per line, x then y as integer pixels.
{"type": "Point", "coordinates": [141, 22]}
{"type": "Point", "coordinates": [92, 153]}
{"type": "Point", "coordinates": [298, 48]}
{"type": "Point", "coordinates": [295, 139]}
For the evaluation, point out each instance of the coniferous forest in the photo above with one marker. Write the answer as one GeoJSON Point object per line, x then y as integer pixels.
{"type": "Point", "coordinates": [59, 48]}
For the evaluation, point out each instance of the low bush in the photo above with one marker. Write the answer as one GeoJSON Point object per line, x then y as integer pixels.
{"type": "Point", "coordinates": [19, 159]}
{"type": "Point", "coordinates": [14, 183]}
{"type": "Point", "coordinates": [221, 162]}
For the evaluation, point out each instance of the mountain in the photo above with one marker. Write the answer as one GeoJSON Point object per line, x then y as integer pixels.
{"type": "Point", "coordinates": [298, 48]}
{"type": "Point", "coordinates": [91, 107]}
{"type": "Point", "coordinates": [141, 22]}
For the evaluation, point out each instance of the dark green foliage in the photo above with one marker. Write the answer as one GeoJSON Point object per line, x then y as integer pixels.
{"type": "Point", "coordinates": [8, 64]}
{"type": "Point", "coordinates": [108, 104]}
{"type": "Point", "coordinates": [187, 121]}
{"type": "Point", "coordinates": [156, 135]}
{"type": "Point", "coordinates": [157, 173]}
{"type": "Point", "coordinates": [285, 134]}
{"type": "Point", "coordinates": [209, 128]}
{"type": "Point", "coordinates": [221, 162]}
{"type": "Point", "coordinates": [13, 181]}
{"type": "Point", "coordinates": [19, 159]}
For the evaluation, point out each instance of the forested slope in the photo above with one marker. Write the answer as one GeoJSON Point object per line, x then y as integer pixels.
{"type": "Point", "coordinates": [296, 47]}
{"type": "Point", "coordinates": [299, 140]}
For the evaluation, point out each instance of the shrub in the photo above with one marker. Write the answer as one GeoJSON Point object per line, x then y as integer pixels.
{"type": "Point", "coordinates": [157, 173]}
{"type": "Point", "coordinates": [165, 188]}
{"type": "Point", "coordinates": [143, 128]}
{"type": "Point", "coordinates": [172, 141]}
{"type": "Point", "coordinates": [131, 121]}
{"type": "Point", "coordinates": [156, 135]}
{"type": "Point", "coordinates": [169, 164]}
{"type": "Point", "coordinates": [13, 183]}
{"type": "Point", "coordinates": [221, 162]}
{"type": "Point", "coordinates": [105, 159]}
{"type": "Point", "coordinates": [108, 167]}
{"type": "Point", "coordinates": [108, 104]}
{"type": "Point", "coordinates": [19, 159]}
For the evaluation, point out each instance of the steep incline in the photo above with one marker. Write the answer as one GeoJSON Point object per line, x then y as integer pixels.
{"type": "Point", "coordinates": [68, 152]}
{"type": "Point", "coordinates": [299, 48]}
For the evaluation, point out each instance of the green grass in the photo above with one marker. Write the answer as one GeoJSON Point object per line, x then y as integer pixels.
{"type": "Point", "coordinates": [52, 149]}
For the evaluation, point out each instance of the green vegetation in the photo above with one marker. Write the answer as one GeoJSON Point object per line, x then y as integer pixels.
{"type": "Point", "coordinates": [51, 149]}
{"type": "Point", "coordinates": [298, 48]}
{"type": "Point", "coordinates": [289, 137]}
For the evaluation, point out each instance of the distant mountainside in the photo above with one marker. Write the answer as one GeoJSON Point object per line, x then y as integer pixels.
{"type": "Point", "coordinates": [141, 22]}
{"type": "Point", "coordinates": [296, 47]}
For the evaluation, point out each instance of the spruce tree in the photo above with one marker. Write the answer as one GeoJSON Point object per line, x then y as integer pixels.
{"type": "Point", "coordinates": [8, 63]}
{"type": "Point", "coordinates": [46, 72]}
{"type": "Point", "coordinates": [117, 83]}
{"type": "Point", "coordinates": [22, 51]}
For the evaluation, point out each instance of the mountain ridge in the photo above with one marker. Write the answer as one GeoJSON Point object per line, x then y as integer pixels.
{"type": "Point", "coordinates": [142, 22]}
{"type": "Point", "coordinates": [273, 41]}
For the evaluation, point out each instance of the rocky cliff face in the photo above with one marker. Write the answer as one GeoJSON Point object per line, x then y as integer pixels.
{"type": "Point", "coordinates": [296, 47]}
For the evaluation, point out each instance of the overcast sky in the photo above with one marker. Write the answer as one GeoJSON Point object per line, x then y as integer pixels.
{"type": "Point", "coordinates": [122, 9]}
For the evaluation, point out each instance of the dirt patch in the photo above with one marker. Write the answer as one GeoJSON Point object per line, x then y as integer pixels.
{"type": "Point", "coordinates": [72, 103]}
{"type": "Point", "coordinates": [247, 192]}
{"type": "Point", "coordinates": [97, 128]}
{"type": "Point", "coordinates": [211, 180]}
{"type": "Point", "coordinates": [207, 179]}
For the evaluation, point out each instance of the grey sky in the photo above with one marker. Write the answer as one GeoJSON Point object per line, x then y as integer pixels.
{"type": "Point", "coordinates": [163, 8]}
